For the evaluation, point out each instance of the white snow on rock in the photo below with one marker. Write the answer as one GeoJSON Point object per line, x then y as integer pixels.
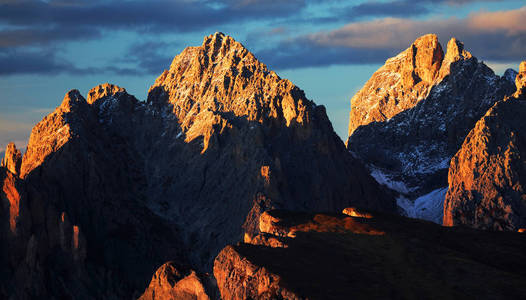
{"type": "Point", "coordinates": [384, 179]}
{"type": "Point", "coordinates": [427, 207]}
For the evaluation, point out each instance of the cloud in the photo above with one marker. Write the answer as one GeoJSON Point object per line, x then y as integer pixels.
{"type": "Point", "coordinates": [41, 36]}
{"type": "Point", "coordinates": [496, 36]}
{"type": "Point", "coordinates": [303, 52]}
{"type": "Point", "coordinates": [23, 61]}
{"type": "Point", "coordinates": [391, 8]}
{"type": "Point", "coordinates": [395, 8]}
{"type": "Point", "coordinates": [150, 57]}
{"type": "Point", "coordinates": [155, 15]}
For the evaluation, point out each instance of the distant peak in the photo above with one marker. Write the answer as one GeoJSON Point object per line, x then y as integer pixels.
{"type": "Point", "coordinates": [510, 75]}
{"type": "Point", "coordinates": [103, 90]}
{"type": "Point", "coordinates": [71, 99]}
{"type": "Point", "coordinates": [520, 81]}
{"type": "Point", "coordinates": [12, 159]}
{"type": "Point", "coordinates": [455, 51]}
{"type": "Point", "coordinates": [430, 37]}
{"type": "Point", "coordinates": [214, 38]}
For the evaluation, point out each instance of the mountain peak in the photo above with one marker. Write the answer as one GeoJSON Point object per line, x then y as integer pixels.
{"type": "Point", "coordinates": [455, 50]}
{"type": "Point", "coordinates": [510, 75]}
{"type": "Point", "coordinates": [520, 81]}
{"type": "Point", "coordinates": [12, 159]}
{"type": "Point", "coordinates": [72, 99]}
{"type": "Point", "coordinates": [399, 84]}
{"type": "Point", "coordinates": [221, 79]}
{"type": "Point", "coordinates": [103, 90]}
{"type": "Point", "coordinates": [427, 39]}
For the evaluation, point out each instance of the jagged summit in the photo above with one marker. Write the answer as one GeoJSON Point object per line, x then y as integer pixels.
{"type": "Point", "coordinates": [510, 75]}
{"type": "Point", "coordinates": [103, 90]}
{"type": "Point", "coordinates": [221, 80]}
{"type": "Point", "coordinates": [520, 80]}
{"type": "Point", "coordinates": [12, 159]}
{"type": "Point", "coordinates": [404, 80]}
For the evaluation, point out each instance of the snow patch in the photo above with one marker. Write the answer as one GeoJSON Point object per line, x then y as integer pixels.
{"type": "Point", "coordinates": [384, 179]}
{"type": "Point", "coordinates": [428, 207]}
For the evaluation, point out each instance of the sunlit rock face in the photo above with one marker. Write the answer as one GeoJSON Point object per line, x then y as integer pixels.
{"type": "Point", "coordinates": [487, 176]}
{"type": "Point", "coordinates": [337, 256]}
{"type": "Point", "coordinates": [400, 84]}
{"type": "Point", "coordinates": [172, 282]}
{"type": "Point", "coordinates": [426, 103]}
{"type": "Point", "coordinates": [123, 186]}
{"type": "Point", "coordinates": [12, 159]}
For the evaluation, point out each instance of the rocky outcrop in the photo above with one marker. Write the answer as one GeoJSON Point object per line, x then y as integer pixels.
{"type": "Point", "coordinates": [510, 75]}
{"type": "Point", "coordinates": [487, 176]}
{"type": "Point", "coordinates": [397, 257]}
{"type": "Point", "coordinates": [174, 282]}
{"type": "Point", "coordinates": [520, 81]}
{"type": "Point", "coordinates": [12, 159]}
{"type": "Point", "coordinates": [424, 125]}
{"type": "Point", "coordinates": [103, 91]}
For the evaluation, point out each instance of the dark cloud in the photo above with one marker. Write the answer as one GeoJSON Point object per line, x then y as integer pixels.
{"type": "Point", "coordinates": [24, 61]}
{"type": "Point", "coordinates": [156, 15]}
{"type": "Point", "coordinates": [40, 36]}
{"type": "Point", "coordinates": [391, 8]}
{"type": "Point", "coordinates": [150, 57]}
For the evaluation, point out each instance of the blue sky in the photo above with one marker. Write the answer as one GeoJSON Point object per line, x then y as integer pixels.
{"type": "Point", "coordinates": [328, 48]}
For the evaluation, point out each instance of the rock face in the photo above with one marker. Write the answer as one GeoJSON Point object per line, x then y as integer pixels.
{"type": "Point", "coordinates": [12, 159]}
{"type": "Point", "coordinates": [422, 121]}
{"type": "Point", "coordinates": [487, 176]}
{"type": "Point", "coordinates": [400, 84]}
{"type": "Point", "coordinates": [245, 136]}
{"type": "Point", "coordinates": [173, 282]}
{"type": "Point", "coordinates": [336, 256]}
{"type": "Point", "coordinates": [116, 187]}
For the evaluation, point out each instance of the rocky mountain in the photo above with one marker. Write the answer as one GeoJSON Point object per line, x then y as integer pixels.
{"type": "Point", "coordinates": [111, 188]}
{"type": "Point", "coordinates": [370, 256]}
{"type": "Point", "coordinates": [171, 281]}
{"type": "Point", "coordinates": [413, 114]}
{"type": "Point", "coordinates": [12, 159]}
{"type": "Point", "coordinates": [249, 141]}
{"type": "Point", "coordinates": [487, 176]}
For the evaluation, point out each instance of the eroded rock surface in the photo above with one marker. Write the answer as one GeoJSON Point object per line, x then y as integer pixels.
{"type": "Point", "coordinates": [12, 159]}
{"type": "Point", "coordinates": [172, 282]}
{"type": "Point", "coordinates": [487, 176]}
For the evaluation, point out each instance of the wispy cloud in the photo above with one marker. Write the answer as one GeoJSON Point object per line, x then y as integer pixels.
{"type": "Point", "coordinates": [496, 36]}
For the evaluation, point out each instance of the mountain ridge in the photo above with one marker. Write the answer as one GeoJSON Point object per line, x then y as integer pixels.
{"type": "Point", "coordinates": [220, 140]}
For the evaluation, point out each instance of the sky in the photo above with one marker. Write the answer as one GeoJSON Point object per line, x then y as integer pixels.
{"type": "Point", "coordinates": [329, 48]}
